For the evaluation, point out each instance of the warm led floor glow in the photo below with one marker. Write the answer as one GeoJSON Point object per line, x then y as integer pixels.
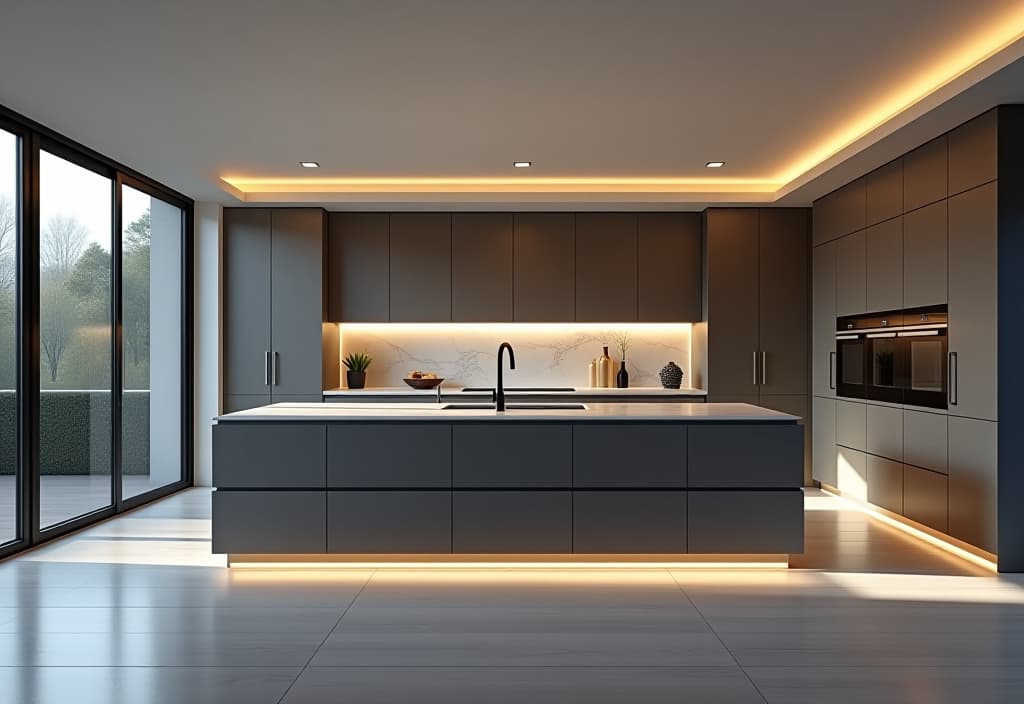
{"type": "Point", "coordinates": [513, 566]}
{"type": "Point", "coordinates": [921, 535]}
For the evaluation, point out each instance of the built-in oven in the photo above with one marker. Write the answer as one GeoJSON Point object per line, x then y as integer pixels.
{"type": "Point", "coordinates": [897, 356]}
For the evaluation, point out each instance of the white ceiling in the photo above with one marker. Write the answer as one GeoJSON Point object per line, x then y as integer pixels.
{"type": "Point", "coordinates": [194, 90]}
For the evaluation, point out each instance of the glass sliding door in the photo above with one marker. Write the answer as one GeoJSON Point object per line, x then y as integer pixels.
{"type": "Point", "coordinates": [151, 275]}
{"type": "Point", "coordinates": [75, 340]}
{"type": "Point", "coordinates": [9, 228]}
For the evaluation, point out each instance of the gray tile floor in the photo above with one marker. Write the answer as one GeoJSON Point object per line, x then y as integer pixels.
{"type": "Point", "coordinates": [137, 610]}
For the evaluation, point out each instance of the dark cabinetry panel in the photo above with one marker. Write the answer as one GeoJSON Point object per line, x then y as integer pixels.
{"type": "Point", "coordinates": [972, 153]}
{"type": "Point", "coordinates": [925, 247]}
{"type": "Point", "coordinates": [749, 457]}
{"type": "Point", "coordinates": [482, 267]}
{"type": "Point", "coordinates": [884, 192]}
{"type": "Point", "coordinates": [925, 498]}
{"type": "Point", "coordinates": [629, 455]}
{"type": "Point", "coordinates": [925, 174]}
{"type": "Point", "coordinates": [279, 455]}
{"type": "Point", "coordinates": [885, 483]}
{"type": "Point", "coordinates": [884, 265]}
{"type": "Point", "coordinates": [512, 455]}
{"type": "Point", "coordinates": [544, 267]}
{"type": "Point", "coordinates": [722, 522]}
{"type": "Point", "coordinates": [669, 265]}
{"type": "Point", "coordinates": [973, 481]}
{"type": "Point", "coordinates": [420, 283]}
{"type": "Point", "coordinates": [358, 246]}
{"type": "Point", "coordinates": [247, 345]}
{"type": "Point", "coordinates": [606, 267]}
{"type": "Point", "coordinates": [783, 305]}
{"type": "Point", "coordinates": [269, 522]}
{"type": "Point", "coordinates": [512, 522]}
{"type": "Point", "coordinates": [404, 455]}
{"type": "Point", "coordinates": [732, 289]}
{"type": "Point", "coordinates": [840, 212]}
{"type": "Point", "coordinates": [389, 522]}
{"type": "Point", "coordinates": [629, 522]}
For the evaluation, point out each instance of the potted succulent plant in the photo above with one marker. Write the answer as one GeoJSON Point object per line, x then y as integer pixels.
{"type": "Point", "coordinates": [356, 365]}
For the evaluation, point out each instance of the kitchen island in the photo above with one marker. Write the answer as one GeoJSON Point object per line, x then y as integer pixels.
{"type": "Point", "coordinates": [606, 482]}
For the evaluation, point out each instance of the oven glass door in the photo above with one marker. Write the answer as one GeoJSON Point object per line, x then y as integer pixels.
{"type": "Point", "coordinates": [888, 374]}
{"type": "Point", "coordinates": [850, 371]}
{"type": "Point", "coordinates": [927, 370]}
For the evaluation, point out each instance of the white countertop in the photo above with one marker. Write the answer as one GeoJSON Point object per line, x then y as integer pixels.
{"type": "Point", "coordinates": [686, 412]}
{"type": "Point", "coordinates": [585, 391]}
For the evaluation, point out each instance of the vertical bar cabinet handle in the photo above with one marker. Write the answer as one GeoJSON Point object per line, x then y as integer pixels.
{"type": "Point", "coordinates": [266, 368]}
{"type": "Point", "coordinates": [954, 379]}
{"type": "Point", "coordinates": [755, 367]}
{"type": "Point", "coordinates": [273, 368]}
{"type": "Point", "coordinates": [764, 367]}
{"type": "Point", "coordinates": [832, 370]}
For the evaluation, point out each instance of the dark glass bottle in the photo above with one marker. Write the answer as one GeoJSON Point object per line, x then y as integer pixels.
{"type": "Point", "coordinates": [622, 378]}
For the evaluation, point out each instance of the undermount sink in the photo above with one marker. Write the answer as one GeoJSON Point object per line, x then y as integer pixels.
{"type": "Point", "coordinates": [516, 406]}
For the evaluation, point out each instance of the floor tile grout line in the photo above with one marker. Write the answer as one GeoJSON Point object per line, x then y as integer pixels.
{"type": "Point", "coordinates": [717, 636]}
{"type": "Point", "coordinates": [326, 637]}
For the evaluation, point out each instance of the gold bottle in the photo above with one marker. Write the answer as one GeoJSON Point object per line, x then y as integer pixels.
{"type": "Point", "coordinates": [592, 372]}
{"type": "Point", "coordinates": [604, 370]}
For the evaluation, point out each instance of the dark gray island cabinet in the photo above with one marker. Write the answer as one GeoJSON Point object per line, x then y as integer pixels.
{"type": "Point", "coordinates": [478, 483]}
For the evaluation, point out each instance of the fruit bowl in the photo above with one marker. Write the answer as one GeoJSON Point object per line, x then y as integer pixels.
{"type": "Point", "coordinates": [425, 383]}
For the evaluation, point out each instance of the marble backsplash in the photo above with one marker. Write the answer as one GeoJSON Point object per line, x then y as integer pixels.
{"type": "Point", "coordinates": [546, 355]}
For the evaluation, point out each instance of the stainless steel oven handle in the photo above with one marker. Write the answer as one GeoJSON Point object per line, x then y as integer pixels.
{"type": "Point", "coordinates": [954, 379]}
{"type": "Point", "coordinates": [832, 370]}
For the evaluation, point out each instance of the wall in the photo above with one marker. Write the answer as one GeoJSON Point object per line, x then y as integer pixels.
{"type": "Point", "coordinates": [546, 354]}
{"type": "Point", "coordinates": [207, 325]}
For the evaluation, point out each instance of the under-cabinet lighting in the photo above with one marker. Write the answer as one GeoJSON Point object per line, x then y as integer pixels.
{"type": "Point", "coordinates": [522, 164]}
{"type": "Point", "coordinates": [433, 566]}
{"type": "Point", "coordinates": [715, 164]}
{"type": "Point", "coordinates": [309, 164]}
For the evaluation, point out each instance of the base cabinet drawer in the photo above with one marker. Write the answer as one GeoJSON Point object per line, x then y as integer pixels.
{"type": "Point", "coordinates": [629, 522]}
{"type": "Point", "coordinates": [270, 522]}
{"type": "Point", "coordinates": [374, 455]}
{"type": "Point", "coordinates": [925, 440]}
{"type": "Point", "coordinates": [885, 432]}
{"type": "Point", "coordinates": [747, 456]}
{"type": "Point", "coordinates": [973, 481]}
{"type": "Point", "coordinates": [885, 483]}
{"type": "Point", "coordinates": [269, 455]}
{"type": "Point", "coordinates": [389, 521]}
{"type": "Point", "coordinates": [512, 521]}
{"type": "Point", "coordinates": [512, 456]}
{"type": "Point", "coordinates": [629, 455]}
{"type": "Point", "coordinates": [823, 445]}
{"type": "Point", "coordinates": [852, 473]}
{"type": "Point", "coordinates": [925, 497]}
{"type": "Point", "coordinates": [743, 522]}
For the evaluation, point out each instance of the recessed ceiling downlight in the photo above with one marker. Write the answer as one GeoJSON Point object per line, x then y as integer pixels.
{"type": "Point", "coordinates": [309, 164]}
{"type": "Point", "coordinates": [522, 164]}
{"type": "Point", "coordinates": [715, 164]}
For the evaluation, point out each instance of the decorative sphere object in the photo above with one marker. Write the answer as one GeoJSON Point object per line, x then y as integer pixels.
{"type": "Point", "coordinates": [671, 376]}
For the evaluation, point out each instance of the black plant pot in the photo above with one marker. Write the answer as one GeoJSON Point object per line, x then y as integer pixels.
{"type": "Point", "coordinates": [356, 380]}
{"type": "Point", "coordinates": [622, 378]}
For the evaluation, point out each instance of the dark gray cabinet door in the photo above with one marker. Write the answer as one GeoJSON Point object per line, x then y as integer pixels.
{"type": "Point", "coordinates": [486, 522]}
{"type": "Point", "coordinates": [784, 274]}
{"type": "Point", "coordinates": [544, 267]}
{"type": "Point", "coordinates": [629, 455]}
{"type": "Point", "coordinates": [973, 481]}
{"type": "Point", "coordinates": [745, 456]}
{"type": "Point", "coordinates": [270, 522]}
{"type": "Point", "coordinates": [297, 301]}
{"type": "Point", "coordinates": [511, 455]}
{"type": "Point", "coordinates": [885, 483]}
{"type": "Point", "coordinates": [884, 192]}
{"type": "Point", "coordinates": [925, 174]}
{"type": "Point", "coordinates": [884, 265]}
{"type": "Point", "coordinates": [799, 406]}
{"type": "Point", "coordinates": [972, 153]}
{"type": "Point", "coordinates": [235, 402]}
{"type": "Point", "coordinates": [925, 251]}
{"type": "Point", "coordinates": [482, 267]}
{"type": "Point", "coordinates": [669, 266]}
{"type": "Point", "coordinates": [358, 270]}
{"type": "Point", "coordinates": [389, 522]}
{"type": "Point", "coordinates": [823, 445]}
{"type": "Point", "coordinates": [732, 305]}
{"type": "Point", "coordinates": [823, 303]}
{"type": "Point", "coordinates": [421, 267]}
{"type": "Point", "coordinates": [851, 274]}
{"type": "Point", "coordinates": [851, 207]}
{"type": "Point", "coordinates": [606, 267]}
{"type": "Point", "coordinates": [269, 455]}
{"type": "Point", "coordinates": [400, 455]}
{"type": "Point", "coordinates": [925, 497]}
{"type": "Point", "coordinates": [746, 522]}
{"type": "Point", "coordinates": [634, 522]}
{"type": "Point", "coordinates": [247, 346]}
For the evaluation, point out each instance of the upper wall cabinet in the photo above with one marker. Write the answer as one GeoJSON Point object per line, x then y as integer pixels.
{"type": "Point", "coordinates": [544, 267]}
{"type": "Point", "coordinates": [606, 267]}
{"type": "Point", "coordinates": [884, 192]}
{"type": "Point", "coordinates": [925, 174]}
{"type": "Point", "coordinates": [420, 282]}
{"type": "Point", "coordinates": [884, 265]}
{"type": "Point", "coordinates": [669, 253]}
{"type": "Point", "coordinates": [482, 267]}
{"type": "Point", "coordinates": [840, 212]}
{"type": "Point", "coordinates": [783, 287]}
{"type": "Point", "coordinates": [972, 153]}
{"type": "Point", "coordinates": [924, 256]}
{"type": "Point", "coordinates": [358, 268]}
{"type": "Point", "coordinates": [851, 274]}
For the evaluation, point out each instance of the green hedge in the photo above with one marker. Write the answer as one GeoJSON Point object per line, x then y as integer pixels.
{"type": "Point", "coordinates": [75, 432]}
